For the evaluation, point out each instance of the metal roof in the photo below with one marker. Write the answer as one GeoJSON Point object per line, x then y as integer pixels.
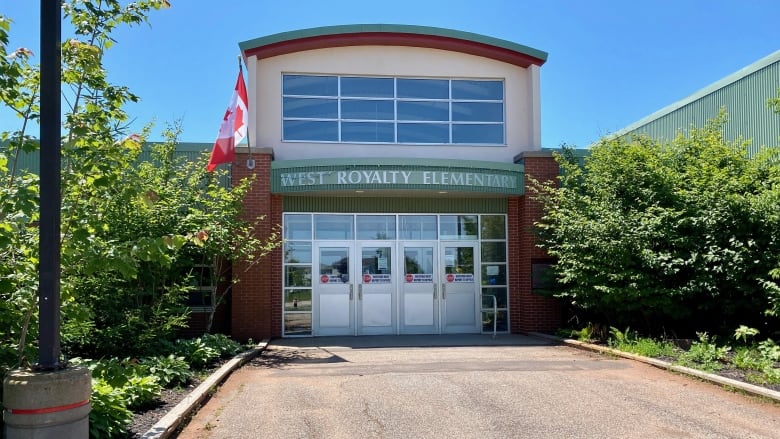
{"type": "Point", "coordinates": [743, 94]}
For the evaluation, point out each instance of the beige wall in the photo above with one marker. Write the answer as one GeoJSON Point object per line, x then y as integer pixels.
{"type": "Point", "coordinates": [522, 99]}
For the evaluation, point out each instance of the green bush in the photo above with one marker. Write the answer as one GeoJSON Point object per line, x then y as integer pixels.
{"type": "Point", "coordinates": [769, 350]}
{"type": "Point", "coordinates": [172, 371]}
{"type": "Point", "coordinates": [141, 390]}
{"type": "Point", "coordinates": [203, 351]}
{"type": "Point", "coordinates": [129, 377]}
{"type": "Point", "coordinates": [747, 358]}
{"type": "Point", "coordinates": [705, 354]}
{"type": "Point", "coordinates": [678, 235]}
{"type": "Point", "coordinates": [122, 385]}
{"type": "Point", "coordinates": [222, 344]}
{"type": "Point", "coordinates": [760, 360]}
{"type": "Point", "coordinates": [196, 352]}
{"type": "Point", "coordinates": [110, 415]}
{"type": "Point", "coordinates": [628, 341]}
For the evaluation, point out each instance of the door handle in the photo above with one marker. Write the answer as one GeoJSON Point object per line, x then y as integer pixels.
{"type": "Point", "coordinates": [443, 291]}
{"type": "Point", "coordinates": [434, 291]}
{"type": "Point", "coordinates": [350, 291]}
{"type": "Point", "coordinates": [360, 292]}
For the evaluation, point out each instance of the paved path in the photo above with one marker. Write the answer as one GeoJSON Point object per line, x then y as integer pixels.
{"type": "Point", "coordinates": [467, 387]}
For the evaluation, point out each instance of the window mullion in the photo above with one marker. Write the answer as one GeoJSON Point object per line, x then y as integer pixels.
{"type": "Point", "coordinates": [338, 114]}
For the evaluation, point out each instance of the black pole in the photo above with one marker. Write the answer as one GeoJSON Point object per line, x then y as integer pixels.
{"type": "Point", "coordinates": [51, 119]}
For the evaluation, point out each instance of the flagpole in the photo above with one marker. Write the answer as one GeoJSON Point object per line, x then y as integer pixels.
{"type": "Point", "coordinates": [250, 163]}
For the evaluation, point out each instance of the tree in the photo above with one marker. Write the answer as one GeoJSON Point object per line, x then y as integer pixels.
{"type": "Point", "coordinates": [677, 235]}
{"type": "Point", "coordinates": [130, 229]}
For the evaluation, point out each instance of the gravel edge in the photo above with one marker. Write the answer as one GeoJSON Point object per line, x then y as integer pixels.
{"type": "Point", "coordinates": [170, 422]}
{"type": "Point", "coordinates": [716, 379]}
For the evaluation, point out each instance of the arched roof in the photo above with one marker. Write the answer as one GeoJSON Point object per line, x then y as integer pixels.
{"type": "Point", "coordinates": [392, 35]}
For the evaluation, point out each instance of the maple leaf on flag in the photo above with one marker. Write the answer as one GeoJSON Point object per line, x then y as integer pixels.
{"type": "Point", "coordinates": [233, 128]}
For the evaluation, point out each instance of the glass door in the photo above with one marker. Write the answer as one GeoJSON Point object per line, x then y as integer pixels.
{"type": "Point", "coordinates": [419, 295]}
{"type": "Point", "coordinates": [333, 289]}
{"type": "Point", "coordinates": [459, 288]}
{"type": "Point", "coordinates": [375, 299]}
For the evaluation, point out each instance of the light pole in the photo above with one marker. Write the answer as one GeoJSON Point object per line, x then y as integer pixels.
{"type": "Point", "coordinates": [49, 245]}
{"type": "Point", "coordinates": [50, 401]}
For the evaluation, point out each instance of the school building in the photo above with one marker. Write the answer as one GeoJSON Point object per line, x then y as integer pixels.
{"type": "Point", "coordinates": [395, 158]}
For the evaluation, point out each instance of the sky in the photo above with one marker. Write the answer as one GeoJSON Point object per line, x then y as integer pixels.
{"type": "Point", "coordinates": [610, 62]}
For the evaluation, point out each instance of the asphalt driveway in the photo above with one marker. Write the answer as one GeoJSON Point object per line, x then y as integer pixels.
{"type": "Point", "coordinates": [467, 387]}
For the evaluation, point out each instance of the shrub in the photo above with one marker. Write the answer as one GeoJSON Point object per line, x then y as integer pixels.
{"type": "Point", "coordinates": [679, 234]}
{"type": "Point", "coordinates": [129, 377]}
{"type": "Point", "coordinates": [196, 352]}
{"type": "Point", "coordinates": [109, 416]}
{"type": "Point", "coordinates": [769, 350]}
{"type": "Point", "coordinates": [204, 350]}
{"type": "Point", "coordinates": [749, 359]}
{"type": "Point", "coordinates": [141, 390]}
{"type": "Point", "coordinates": [172, 371]}
{"type": "Point", "coordinates": [223, 344]}
{"type": "Point", "coordinates": [628, 341]}
{"type": "Point", "coordinates": [705, 354]}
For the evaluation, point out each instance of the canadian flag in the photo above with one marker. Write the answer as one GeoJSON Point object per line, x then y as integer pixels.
{"type": "Point", "coordinates": [233, 129]}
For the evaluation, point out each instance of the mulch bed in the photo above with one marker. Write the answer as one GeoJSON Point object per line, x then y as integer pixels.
{"type": "Point", "coordinates": [741, 375]}
{"type": "Point", "coordinates": [145, 419]}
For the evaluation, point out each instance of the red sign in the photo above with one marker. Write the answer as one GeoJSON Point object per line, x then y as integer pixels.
{"type": "Point", "coordinates": [409, 277]}
{"type": "Point", "coordinates": [366, 278]}
{"type": "Point", "coordinates": [450, 277]}
{"type": "Point", "coordinates": [324, 278]}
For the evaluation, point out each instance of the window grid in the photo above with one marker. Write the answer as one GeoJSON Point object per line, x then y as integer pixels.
{"type": "Point", "coordinates": [450, 121]}
{"type": "Point", "coordinates": [487, 288]}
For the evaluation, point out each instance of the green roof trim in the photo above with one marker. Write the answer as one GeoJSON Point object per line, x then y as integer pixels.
{"type": "Point", "coordinates": [394, 29]}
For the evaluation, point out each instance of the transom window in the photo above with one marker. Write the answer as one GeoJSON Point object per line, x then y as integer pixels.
{"type": "Point", "coordinates": [392, 110]}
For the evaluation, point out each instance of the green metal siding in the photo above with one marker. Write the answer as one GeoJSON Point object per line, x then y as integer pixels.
{"type": "Point", "coordinates": [393, 205]}
{"type": "Point", "coordinates": [191, 151]}
{"type": "Point", "coordinates": [744, 95]}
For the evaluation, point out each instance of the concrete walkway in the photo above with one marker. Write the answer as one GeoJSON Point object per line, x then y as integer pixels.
{"type": "Point", "coordinates": [467, 387]}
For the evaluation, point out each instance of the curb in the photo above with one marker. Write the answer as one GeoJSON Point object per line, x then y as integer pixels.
{"type": "Point", "coordinates": [716, 379]}
{"type": "Point", "coordinates": [168, 424]}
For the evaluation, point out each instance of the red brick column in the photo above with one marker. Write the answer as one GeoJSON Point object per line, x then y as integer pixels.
{"type": "Point", "coordinates": [529, 312]}
{"type": "Point", "coordinates": [256, 300]}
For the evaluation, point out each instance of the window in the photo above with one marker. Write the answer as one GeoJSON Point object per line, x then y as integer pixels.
{"type": "Point", "coordinates": [458, 227]}
{"type": "Point", "coordinates": [202, 283]}
{"type": "Point", "coordinates": [297, 284]}
{"type": "Point", "coordinates": [392, 110]}
{"type": "Point", "coordinates": [418, 227]}
{"type": "Point", "coordinates": [375, 227]}
{"type": "Point", "coordinates": [494, 273]}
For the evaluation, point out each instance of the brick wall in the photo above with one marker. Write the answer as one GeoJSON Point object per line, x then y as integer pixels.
{"type": "Point", "coordinates": [529, 312]}
{"type": "Point", "coordinates": [257, 296]}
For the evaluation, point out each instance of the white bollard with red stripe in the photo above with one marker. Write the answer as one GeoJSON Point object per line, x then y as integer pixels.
{"type": "Point", "coordinates": [47, 405]}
